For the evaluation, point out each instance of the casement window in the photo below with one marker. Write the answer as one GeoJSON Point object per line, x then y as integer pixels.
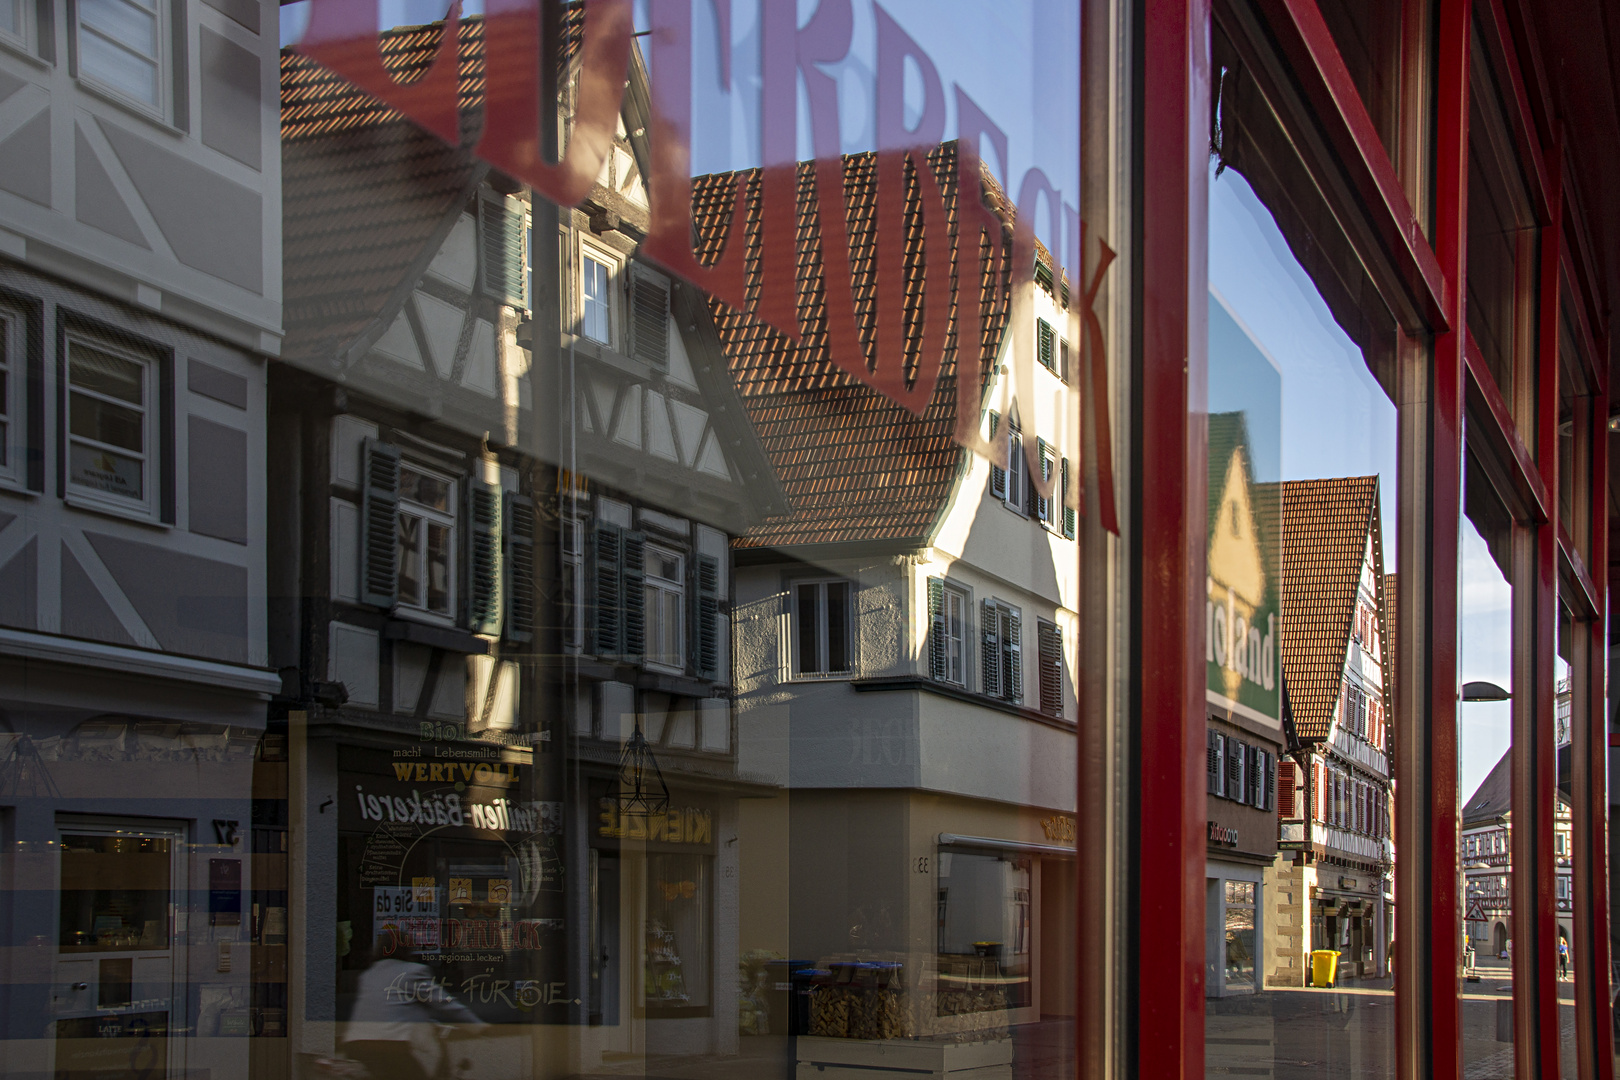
{"type": "Point", "coordinates": [823, 628]}
{"type": "Point", "coordinates": [1285, 789]}
{"type": "Point", "coordinates": [112, 432]}
{"type": "Point", "coordinates": [649, 317]}
{"type": "Point", "coordinates": [599, 287]}
{"type": "Point", "coordinates": [13, 424]}
{"type": "Point", "coordinates": [1001, 652]}
{"type": "Point", "coordinates": [1049, 643]}
{"type": "Point", "coordinates": [1215, 745]}
{"type": "Point", "coordinates": [1560, 844]}
{"type": "Point", "coordinates": [948, 628]}
{"type": "Point", "coordinates": [434, 545]}
{"type": "Point", "coordinates": [425, 531]}
{"type": "Point", "coordinates": [503, 257]}
{"type": "Point", "coordinates": [665, 585]}
{"type": "Point", "coordinates": [1011, 485]}
{"type": "Point", "coordinates": [17, 23]}
{"type": "Point", "coordinates": [1044, 508]}
{"type": "Point", "coordinates": [571, 554]}
{"type": "Point", "coordinates": [123, 49]}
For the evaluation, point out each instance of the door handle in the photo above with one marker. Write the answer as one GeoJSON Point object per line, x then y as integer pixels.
{"type": "Point", "coordinates": [81, 986]}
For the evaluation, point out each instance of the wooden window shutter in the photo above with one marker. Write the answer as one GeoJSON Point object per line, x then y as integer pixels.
{"type": "Point", "coordinates": [1067, 501]}
{"type": "Point", "coordinates": [990, 648]}
{"type": "Point", "coordinates": [1318, 795]}
{"type": "Point", "coordinates": [1041, 505]}
{"type": "Point", "coordinates": [1237, 755]}
{"type": "Point", "coordinates": [1012, 651]}
{"type": "Point", "coordinates": [607, 554]}
{"type": "Point", "coordinates": [703, 635]}
{"type": "Point", "coordinates": [936, 628]}
{"type": "Point", "coordinates": [998, 475]}
{"type": "Point", "coordinates": [1285, 789]}
{"type": "Point", "coordinates": [379, 510]}
{"type": "Point", "coordinates": [1212, 765]}
{"type": "Point", "coordinates": [1257, 777]}
{"type": "Point", "coordinates": [1045, 345]}
{"type": "Point", "coordinates": [1219, 764]}
{"type": "Point", "coordinates": [1050, 646]}
{"type": "Point", "coordinates": [483, 562]}
{"type": "Point", "coordinates": [520, 598]}
{"type": "Point", "coordinates": [649, 319]}
{"type": "Point", "coordinates": [501, 237]}
{"type": "Point", "coordinates": [635, 595]}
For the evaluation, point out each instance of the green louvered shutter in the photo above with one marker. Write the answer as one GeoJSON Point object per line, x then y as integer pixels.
{"type": "Point", "coordinates": [379, 528]}
{"type": "Point", "coordinates": [1067, 501]}
{"type": "Point", "coordinates": [1046, 345]}
{"type": "Point", "coordinates": [483, 565]}
{"type": "Point", "coordinates": [1012, 650]}
{"type": "Point", "coordinates": [990, 649]}
{"type": "Point", "coordinates": [635, 595]}
{"type": "Point", "coordinates": [998, 475]}
{"type": "Point", "coordinates": [1050, 646]}
{"type": "Point", "coordinates": [608, 607]}
{"type": "Point", "coordinates": [501, 233]}
{"type": "Point", "coordinates": [519, 561]}
{"type": "Point", "coordinates": [649, 319]}
{"type": "Point", "coordinates": [704, 635]}
{"type": "Point", "coordinates": [936, 628]}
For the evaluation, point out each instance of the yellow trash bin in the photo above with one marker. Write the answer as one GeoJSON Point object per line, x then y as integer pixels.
{"type": "Point", "coordinates": [1324, 967]}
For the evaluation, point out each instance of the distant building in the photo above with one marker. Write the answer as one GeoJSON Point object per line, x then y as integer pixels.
{"type": "Point", "coordinates": [1332, 875]}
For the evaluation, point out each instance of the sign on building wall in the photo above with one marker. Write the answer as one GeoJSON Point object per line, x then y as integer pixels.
{"type": "Point", "coordinates": [1242, 617]}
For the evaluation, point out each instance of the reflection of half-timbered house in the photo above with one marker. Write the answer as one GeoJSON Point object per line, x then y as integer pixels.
{"type": "Point", "coordinates": [512, 602]}
{"type": "Point", "coordinates": [140, 289]}
{"type": "Point", "coordinates": [1332, 877]}
{"type": "Point", "coordinates": [1487, 860]}
{"type": "Point", "coordinates": [906, 640]}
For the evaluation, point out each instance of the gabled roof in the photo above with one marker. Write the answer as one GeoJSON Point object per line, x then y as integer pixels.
{"type": "Point", "coordinates": [1494, 796]}
{"type": "Point", "coordinates": [1325, 529]}
{"type": "Point", "coordinates": [855, 466]}
{"type": "Point", "coordinates": [364, 190]}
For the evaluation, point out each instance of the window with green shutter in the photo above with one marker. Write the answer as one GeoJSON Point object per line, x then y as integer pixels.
{"type": "Point", "coordinates": [519, 537]}
{"type": "Point", "coordinates": [704, 638]}
{"type": "Point", "coordinates": [483, 562]}
{"type": "Point", "coordinates": [502, 260]}
{"type": "Point", "coordinates": [649, 318]}
{"type": "Point", "coordinates": [1046, 345]}
{"type": "Point", "coordinates": [1050, 647]}
{"type": "Point", "coordinates": [379, 507]}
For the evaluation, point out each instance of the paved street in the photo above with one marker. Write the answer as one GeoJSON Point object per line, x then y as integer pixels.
{"type": "Point", "coordinates": [1350, 1032]}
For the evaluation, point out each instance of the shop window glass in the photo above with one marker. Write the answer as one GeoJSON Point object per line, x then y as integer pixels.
{"type": "Point", "coordinates": [1502, 247]}
{"type": "Point", "coordinates": [1368, 36]}
{"type": "Point", "coordinates": [1485, 761]}
{"type": "Point", "coordinates": [1302, 489]}
{"type": "Point", "coordinates": [984, 933]}
{"type": "Point", "coordinates": [676, 970]}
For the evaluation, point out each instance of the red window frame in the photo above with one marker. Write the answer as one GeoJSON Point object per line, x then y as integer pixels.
{"type": "Point", "coordinates": [1165, 1033]}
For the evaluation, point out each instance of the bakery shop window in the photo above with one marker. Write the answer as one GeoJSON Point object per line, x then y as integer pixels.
{"type": "Point", "coordinates": [675, 964]}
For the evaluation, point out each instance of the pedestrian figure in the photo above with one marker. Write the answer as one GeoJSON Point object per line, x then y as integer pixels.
{"type": "Point", "coordinates": [395, 997]}
{"type": "Point", "coordinates": [1563, 956]}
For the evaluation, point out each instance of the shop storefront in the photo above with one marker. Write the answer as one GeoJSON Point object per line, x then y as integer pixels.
{"type": "Point", "coordinates": [636, 538]}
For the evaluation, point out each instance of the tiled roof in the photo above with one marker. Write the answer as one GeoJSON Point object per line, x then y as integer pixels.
{"type": "Point", "coordinates": [1325, 524]}
{"type": "Point", "coordinates": [364, 189]}
{"type": "Point", "coordinates": [1494, 796]}
{"type": "Point", "coordinates": [854, 465]}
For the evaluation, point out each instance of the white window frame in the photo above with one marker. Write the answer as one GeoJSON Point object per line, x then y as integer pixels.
{"type": "Point", "coordinates": [24, 36]}
{"type": "Point", "coordinates": [163, 59]}
{"type": "Point", "coordinates": [615, 286]}
{"type": "Point", "coordinates": [146, 508]}
{"type": "Point", "coordinates": [13, 403]}
{"type": "Point", "coordinates": [1017, 472]}
{"type": "Point", "coordinates": [1047, 509]}
{"type": "Point", "coordinates": [659, 593]}
{"type": "Point", "coordinates": [796, 668]}
{"type": "Point", "coordinates": [572, 536]}
{"type": "Point", "coordinates": [415, 607]}
{"type": "Point", "coordinates": [955, 648]}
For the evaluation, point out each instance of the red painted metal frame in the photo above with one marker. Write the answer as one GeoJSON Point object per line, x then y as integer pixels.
{"type": "Point", "coordinates": [1304, 40]}
{"type": "Point", "coordinates": [1494, 423]}
{"type": "Point", "coordinates": [1168, 1036]}
{"type": "Point", "coordinates": [1431, 800]}
{"type": "Point", "coordinates": [1535, 758]}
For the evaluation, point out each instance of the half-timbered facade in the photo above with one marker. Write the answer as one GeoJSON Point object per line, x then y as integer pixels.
{"type": "Point", "coordinates": [1334, 864]}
